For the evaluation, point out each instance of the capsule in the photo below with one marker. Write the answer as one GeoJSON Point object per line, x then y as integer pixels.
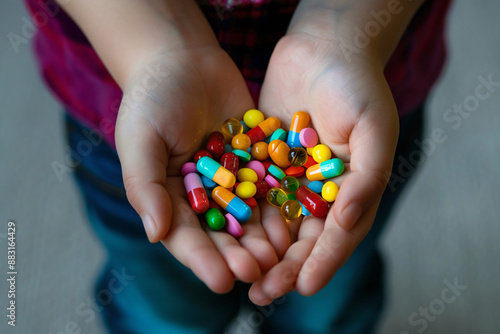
{"type": "Point", "coordinates": [215, 172]}
{"type": "Point", "coordinates": [232, 204]}
{"type": "Point", "coordinates": [300, 121]}
{"type": "Point", "coordinates": [278, 151]}
{"type": "Point", "coordinates": [264, 129]}
{"type": "Point", "coordinates": [313, 202]}
{"type": "Point", "coordinates": [196, 193]}
{"type": "Point", "coordinates": [325, 170]}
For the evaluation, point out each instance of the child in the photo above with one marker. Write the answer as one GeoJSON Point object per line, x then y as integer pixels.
{"type": "Point", "coordinates": [172, 72]}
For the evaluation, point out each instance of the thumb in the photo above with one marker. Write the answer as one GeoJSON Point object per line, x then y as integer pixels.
{"type": "Point", "coordinates": [144, 159]}
{"type": "Point", "coordinates": [372, 144]}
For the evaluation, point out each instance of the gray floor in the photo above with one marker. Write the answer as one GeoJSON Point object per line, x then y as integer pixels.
{"type": "Point", "coordinates": [445, 229]}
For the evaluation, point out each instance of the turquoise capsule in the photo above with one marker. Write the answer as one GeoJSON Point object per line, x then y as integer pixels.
{"type": "Point", "coordinates": [325, 170]}
{"type": "Point", "coordinates": [215, 219]}
{"type": "Point", "coordinates": [215, 172]}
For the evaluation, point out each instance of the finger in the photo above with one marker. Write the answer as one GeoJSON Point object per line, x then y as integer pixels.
{"type": "Point", "coordinates": [372, 144]}
{"type": "Point", "coordinates": [256, 241]}
{"type": "Point", "coordinates": [192, 246]}
{"type": "Point", "coordinates": [332, 250]}
{"type": "Point", "coordinates": [282, 278]}
{"type": "Point", "coordinates": [275, 227]}
{"type": "Point", "coordinates": [143, 157]}
{"type": "Point", "coordinates": [240, 261]}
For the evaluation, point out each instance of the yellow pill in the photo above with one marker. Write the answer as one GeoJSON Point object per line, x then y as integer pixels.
{"type": "Point", "coordinates": [321, 153]}
{"type": "Point", "coordinates": [231, 128]}
{"type": "Point", "coordinates": [291, 209]}
{"type": "Point", "coordinates": [241, 142]}
{"type": "Point", "coordinates": [253, 117]}
{"type": "Point", "coordinates": [310, 151]}
{"type": "Point", "coordinates": [247, 174]}
{"type": "Point", "coordinates": [330, 191]}
{"type": "Point", "coordinates": [246, 190]}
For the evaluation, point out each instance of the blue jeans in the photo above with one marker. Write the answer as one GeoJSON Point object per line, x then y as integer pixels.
{"type": "Point", "coordinates": [156, 294]}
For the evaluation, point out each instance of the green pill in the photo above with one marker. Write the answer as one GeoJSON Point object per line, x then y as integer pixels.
{"type": "Point", "coordinates": [215, 219]}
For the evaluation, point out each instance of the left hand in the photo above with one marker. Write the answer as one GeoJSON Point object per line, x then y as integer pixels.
{"type": "Point", "coordinates": [352, 109]}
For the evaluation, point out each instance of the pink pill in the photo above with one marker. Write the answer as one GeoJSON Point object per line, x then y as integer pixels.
{"type": "Point", "coordinates": [233, 226]}
{"type": "Point", "coordinates": [189, 167]}
{"type": "Point", "coordinates": [272, 182]}
{"type": "Point", "coordinates": [308, 137]}
{"type": "Point", "coordinates": [258, 167]}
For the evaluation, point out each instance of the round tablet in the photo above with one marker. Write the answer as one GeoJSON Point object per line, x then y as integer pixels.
{"type": "Point", "coordinates": [257, 167]}
{"type": "Point", "coordinates": [308, 137]}
{"type": "Point", "coordinates": [273, 183]}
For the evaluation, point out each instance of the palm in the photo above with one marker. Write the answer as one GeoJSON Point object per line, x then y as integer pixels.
{"type": "Point", "coordinates": [194, 97]}
{"type": "Point", "coordinates": [352, 110]}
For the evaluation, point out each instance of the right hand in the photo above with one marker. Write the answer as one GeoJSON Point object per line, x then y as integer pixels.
{"type": "Point", "coordinates": [170, 105]}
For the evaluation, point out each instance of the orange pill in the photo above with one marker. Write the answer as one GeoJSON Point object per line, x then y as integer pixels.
{"type": "Point", "coordinates": [241, 142]}
{"type": "Point", "coordinates": [260, 151]}
{"type": "Point", "coordinates": [278, 151]}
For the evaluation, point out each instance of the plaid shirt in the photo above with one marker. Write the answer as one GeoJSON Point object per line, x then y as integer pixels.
{"type": "Point", "coordinates": [248, 30]}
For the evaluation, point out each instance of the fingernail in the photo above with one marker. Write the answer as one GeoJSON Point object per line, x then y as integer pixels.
{"type": "Point", "coordinates": [351, 215]}
{"type": "Point", "coordinates": [149, 225]}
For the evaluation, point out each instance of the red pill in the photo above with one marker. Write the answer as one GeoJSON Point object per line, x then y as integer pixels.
{"type": "Point", "coordinates": [216, 144]}
{"type": "Point", "coordinates": [251, 202]}
{"type": "Point", "coordinates": [231, 162]}
{"type": "Point", "coordinates": [263, 130]}
{"type": "Point", "coordinates": [295, 171]}
{"type": "Point", "coordinates": [200, 154]}
{"type": "Point", "coordinates": [310, 162]}
{"type": "Point", "coordinates": [262, 189]}
{"type": "Point", "coordinates": [196, 193]}
{"type": "Point", "coordinates": [313, 202]}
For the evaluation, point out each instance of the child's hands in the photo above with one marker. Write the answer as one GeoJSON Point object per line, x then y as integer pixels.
{"type": "Point", "coordinates": [353, 111]}
{"type": "Point", "coordinates": [170, 106]}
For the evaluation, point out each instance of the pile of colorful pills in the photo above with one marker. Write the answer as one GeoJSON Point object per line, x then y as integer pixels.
{"type": "Point", "coordinates": [255, 159]}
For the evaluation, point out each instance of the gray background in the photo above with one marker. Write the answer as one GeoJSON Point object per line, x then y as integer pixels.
{"type": "Point", "coordinates": [445, 227]}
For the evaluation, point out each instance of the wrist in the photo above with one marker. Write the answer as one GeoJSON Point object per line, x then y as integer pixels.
{"type": "Point", "coordinates": [368, 30]}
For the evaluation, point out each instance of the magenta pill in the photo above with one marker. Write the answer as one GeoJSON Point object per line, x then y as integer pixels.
{"type": "Point", "coordinates": [188, 167]}
{"type": "Point", "coordinates": [233, 226]}
{"type": "Point", "coordinates": [258, 167]}
{"type": "Point", "coordinates": [308, 137]}
{"type": "Point", "coordinates": [272, 182]}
